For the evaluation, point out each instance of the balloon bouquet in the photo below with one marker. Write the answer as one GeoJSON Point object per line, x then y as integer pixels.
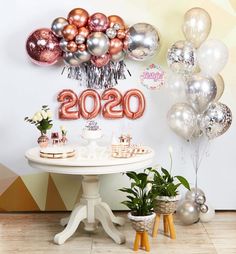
{"type": "Point", "coordinates": [195, 81]}
{"type": "Point", "coordinates": [93, 47]}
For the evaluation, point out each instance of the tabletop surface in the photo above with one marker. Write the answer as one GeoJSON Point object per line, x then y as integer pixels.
{"type": "Point", "coordinates": [84, 166]}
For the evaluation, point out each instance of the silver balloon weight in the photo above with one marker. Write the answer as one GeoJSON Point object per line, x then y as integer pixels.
{"type": "Point", "coordinates": [193, 193]}
{"type": "Point", "coordinates": [188, 212]}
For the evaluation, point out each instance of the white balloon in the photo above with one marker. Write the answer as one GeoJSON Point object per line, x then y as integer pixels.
{"type": "Point", "coordinates": [209, 215]}
{"type": "Point", "coordinates": [212, 57]}
{"type": "Point", "coordinates": [176, 85]}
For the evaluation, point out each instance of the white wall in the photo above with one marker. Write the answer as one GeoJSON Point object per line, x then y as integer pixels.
{"type": "Point", "coordinates": [25, 87]}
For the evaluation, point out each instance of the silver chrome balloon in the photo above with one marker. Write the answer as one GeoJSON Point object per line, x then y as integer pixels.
{"type": "Point", "coordinates": [82, 56]}
{"type": "Point", "coordinates": [116, 26]}
{"type": "Point", "coordinates": [98, 43]}
{"type": "Point", "coordinates": [79, 39]}
{"type": "Point", "coordinates": [111, 33]}
{"type": "Point", "coordinates": [200, 199]}
{"type": "Point", "coordinates": [216, 120]}
{"type": "Point", "coordinates": [118, 57]}
{"type": "Point", "coordinates": [182, 120]}
{"type": "Point", "coordinates": [57, 26]}
{"type": "Point", "coordinates": [200, 91]}
{"type": "Point", "coordinates": [70, 59]}
{"type": "Point", "coordinates": [188, 212]}
{"type": "Point", "coordinates": [203, 208]}
{"type": "Point", "coordinates": [182, 57]}
{"type": "Point", "coordinates": [193, 193]}
{"type": "Point", "coordinates": [63, 45]}
{"type": "Point", "coordinates": [142, 41]}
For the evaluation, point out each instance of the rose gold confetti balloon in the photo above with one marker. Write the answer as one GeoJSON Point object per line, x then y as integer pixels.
{"type": "Point", "coordinates": [43, 47]}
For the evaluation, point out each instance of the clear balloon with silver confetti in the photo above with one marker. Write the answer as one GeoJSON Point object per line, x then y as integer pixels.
{"type": "Point", "coordinates": [182, 57]}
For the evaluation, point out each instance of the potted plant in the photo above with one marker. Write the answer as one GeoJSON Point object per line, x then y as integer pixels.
{"type": "Point", "coordinates": [42, 120]}
{"type": "Point", "coordinates": [140, 201]}
{"type": "Point", "coordinates": [165, 188]}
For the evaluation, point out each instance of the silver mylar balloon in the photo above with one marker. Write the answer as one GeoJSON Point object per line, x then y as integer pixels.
{"type": "Point", "coordinates": [57, 26]}
{"type": "Point", "coordinates": [70, 59]}
{"type": "Point", "coordinates": [182, 120]}
{"type": "Point", "coordinates": [82, 56]}
{"type": "Point", "coordinates": [182, 57]}
{"type": "Point", "coordinates": [188, 212]}
{"type": "Point", "coordinates": [220, 84]}
{"type": "Point", "coordinates": [98, 43]}
{"type": "Point", "coordinates": [63, 45]}
{"type": "Point", "coordinates": [142, 41]}
{"type": "Point", "coordinates": [203, 208]}
{"type": "Point", "coordinates": [79, 39]}
{"type": "Point", "coordinates": [116, 26]}
{"type": "Point", "coordinates": [111, 33]}
{"type": "Point", "coordinates": [193, 193]}
{"type": "Point", "coordinates": [118, 57]}
{"type": "Point", "coordinates": [200, 91]}
{"type": "Point", "coordinates": [200, 199]}
{"type": "Point", "coordinates": [216, 120]}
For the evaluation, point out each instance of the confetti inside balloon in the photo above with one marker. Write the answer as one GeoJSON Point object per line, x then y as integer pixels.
{"type": "Point", "coordinates": [43, 47]}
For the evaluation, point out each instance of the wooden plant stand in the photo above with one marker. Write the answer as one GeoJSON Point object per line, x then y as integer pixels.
{"type": "Point", "coordinates": [168, 223]}
{"type": "Point", "coordinates": [141, 241]}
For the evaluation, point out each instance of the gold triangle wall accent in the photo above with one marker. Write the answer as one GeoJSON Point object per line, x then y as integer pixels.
{"type": "Point", "coordinates": [17, 198]}
{"type": "Point", "coordinates": [54, 201]}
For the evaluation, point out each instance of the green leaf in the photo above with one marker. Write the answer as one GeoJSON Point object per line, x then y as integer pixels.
{"type": "Point", "coordinates": [183, 181]}
{"type": "Point", "coordinates": [165, 172]}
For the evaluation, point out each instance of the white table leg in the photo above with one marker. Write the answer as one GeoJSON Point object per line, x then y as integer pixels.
{"type": "Point", "coordinates": [104, 217]}
{"type": "Point", "coordinates": [91, 210]}
{"type": "Point", "coordinates": [78, 214]}
{"type": "Point", "coordinates": [117, 220]}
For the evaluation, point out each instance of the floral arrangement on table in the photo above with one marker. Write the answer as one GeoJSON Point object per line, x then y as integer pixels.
{"type": "Point", "coordinates": [43, 121]}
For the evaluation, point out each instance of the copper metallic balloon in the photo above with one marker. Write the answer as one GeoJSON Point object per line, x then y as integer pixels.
{"type": "Point", "coordinates": [83, 31]}
{"type": "Point", "coordinates": [69, 32]}
{"type": "Point", "coordinates": [98, 22]}
{"type": "Point", "coordinates": [72, 46]}
{"type": "Point", "coordinates": [96, 103]}
{"type": "Point", "coordinates": [196, 26]}
{"type": "Point", "coordinates": [121, 34]}
{"type": "Point", "coordinates": [81, 47]}
{"type": "Point", "coordinates": [116, 46]}
{"type": "Point", "coordinates": [100, 61]}
{"type": "Point", "coordinates": [113, 98]}
{"type": "Point", "coordinates": [114, 19]}
{"type": "Point", "coordinates": [43, 47]}
{"type": "Point", "coordinates": [78, 17]}
{"type": "Point", "coordinates": [57, 26]}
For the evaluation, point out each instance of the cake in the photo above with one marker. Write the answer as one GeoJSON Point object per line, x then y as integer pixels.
{"type": "Point", "coordinates": [91, 131]}
{"type": "Point", "coordinates": [57, 152]}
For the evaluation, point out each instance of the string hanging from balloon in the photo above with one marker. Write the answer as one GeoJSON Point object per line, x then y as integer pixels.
{"type": "Point", "coordinates": [93, 47]}
{"type": "Point", "coordinates": [198, 116]}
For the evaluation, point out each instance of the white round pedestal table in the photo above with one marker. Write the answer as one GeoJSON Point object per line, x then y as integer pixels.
{"type": "Point", "coordinates": [90, 209]}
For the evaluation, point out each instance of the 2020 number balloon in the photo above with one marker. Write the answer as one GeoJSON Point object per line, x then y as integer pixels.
{"type": "Point", "coordinates": [114, 99]}
{"type": "Point", "coordinates": [68, 100]}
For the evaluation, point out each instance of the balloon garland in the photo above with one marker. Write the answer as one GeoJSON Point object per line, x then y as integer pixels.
{"type": "Point", "coordinates": [93, 47]}
{"type": "Point", "coordinates": [196, 83]}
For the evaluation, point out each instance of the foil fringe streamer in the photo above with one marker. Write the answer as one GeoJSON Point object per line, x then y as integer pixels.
{"type": "Point", "coordinates": [98, 78]}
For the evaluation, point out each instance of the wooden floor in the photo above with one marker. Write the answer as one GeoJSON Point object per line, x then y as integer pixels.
{"type": "Point", "coordinates": [33, 233]}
